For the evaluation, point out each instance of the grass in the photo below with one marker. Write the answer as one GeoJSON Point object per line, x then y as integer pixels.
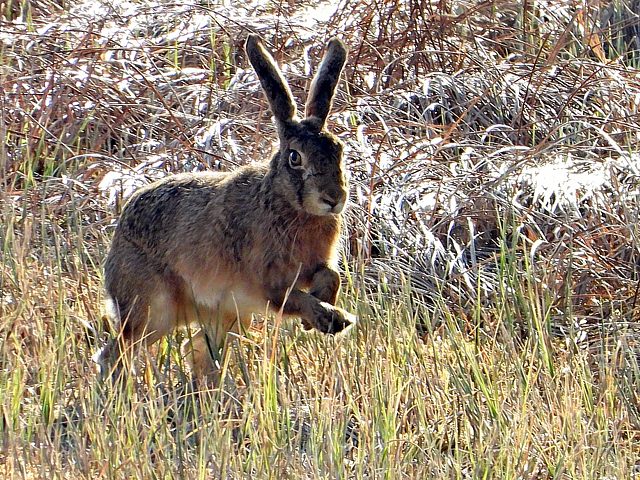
{"type": "Point", "coordinates": [490, 252]}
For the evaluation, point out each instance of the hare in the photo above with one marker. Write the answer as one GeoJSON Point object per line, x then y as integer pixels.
{"type": "Point", "coordinates": [213, 248]}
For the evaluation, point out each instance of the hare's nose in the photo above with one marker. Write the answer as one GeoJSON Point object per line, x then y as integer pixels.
{"type": "Point", "coordinates": [336, 203]}
{"type": "Point", "coordinates": [329, 200]}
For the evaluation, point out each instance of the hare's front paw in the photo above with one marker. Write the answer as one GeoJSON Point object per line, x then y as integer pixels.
{"type": "Point", "coordinates": [332, 319]}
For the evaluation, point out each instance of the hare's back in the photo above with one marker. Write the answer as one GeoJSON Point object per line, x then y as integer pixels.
{"type": "Point", "coordinates": [165, 211]}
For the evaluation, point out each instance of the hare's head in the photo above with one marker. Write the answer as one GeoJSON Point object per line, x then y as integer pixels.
{"type": "Point", "coordinates": [309, 165]}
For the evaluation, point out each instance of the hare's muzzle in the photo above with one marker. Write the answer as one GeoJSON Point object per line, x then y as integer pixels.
{"type": "Point", "coordinates": [334, 200]}
{"type": "Point", "coordinates": [335, 205]}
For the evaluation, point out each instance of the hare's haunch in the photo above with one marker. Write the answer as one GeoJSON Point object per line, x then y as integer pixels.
{"type": "Point", "coordinates": [214, 248]}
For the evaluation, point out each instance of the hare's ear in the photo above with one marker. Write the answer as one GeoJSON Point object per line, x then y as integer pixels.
{"type": "Point", "coordinates": [324, 84]}
{"type": "Point", "coordinates": [273, 83]}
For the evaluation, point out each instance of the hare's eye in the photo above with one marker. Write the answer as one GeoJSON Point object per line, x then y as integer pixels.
{"type": "Point", "coordinates": [295, 159]}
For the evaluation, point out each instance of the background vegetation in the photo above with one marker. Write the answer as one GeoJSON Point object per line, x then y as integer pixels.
{"type": "Point", "coordinates": [491, 251]}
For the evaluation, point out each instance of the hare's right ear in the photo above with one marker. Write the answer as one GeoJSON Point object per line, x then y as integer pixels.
{"type": "Point", "coordinates": [271, 79]}
{"type": "Point", "coordinates": [324, 84]}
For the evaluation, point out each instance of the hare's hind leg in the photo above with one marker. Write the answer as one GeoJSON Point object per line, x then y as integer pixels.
{"type": "Point", "coordinates": [142, 305]}
{"type": "Point", "coordinates": [207, 348]}
{"type": "Point", "coordinates": [136, 325]}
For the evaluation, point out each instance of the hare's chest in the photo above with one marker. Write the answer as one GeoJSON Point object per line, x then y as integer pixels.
{"type": "Point", "coordinates": [315, 244]}
{"type": "Point", "coordinates": [303, 264]}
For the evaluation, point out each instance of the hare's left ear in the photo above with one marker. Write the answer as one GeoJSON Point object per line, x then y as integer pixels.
{"type": "Point", "coordinates": [324, 84]}
{"type": "Point", "coordinates": [273, 83]}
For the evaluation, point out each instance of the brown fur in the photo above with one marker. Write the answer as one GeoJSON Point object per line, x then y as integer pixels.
{"type": "Point", "coordinates": [214, 248]}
